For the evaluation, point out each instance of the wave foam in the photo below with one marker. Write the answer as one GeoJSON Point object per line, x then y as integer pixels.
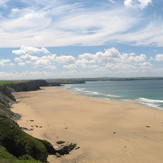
{"type": "Point", "coordinates": [112, 95]}
{"type": "Point", "coordinates": [150, 100]}
{"type": "Point", "coordinates": [91, 93]}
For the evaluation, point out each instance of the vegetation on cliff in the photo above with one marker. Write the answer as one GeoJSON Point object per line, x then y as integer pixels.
{"type": "Point", "coordinates": [15, 144]}
{"type": "Point", "coordinates": [18, 143]}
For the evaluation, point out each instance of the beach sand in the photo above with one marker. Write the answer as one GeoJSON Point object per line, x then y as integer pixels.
{"type": "Point", "coordinates": [105, 131]}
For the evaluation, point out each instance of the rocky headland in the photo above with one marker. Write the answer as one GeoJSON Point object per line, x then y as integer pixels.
{"type": "Point", "coordinates": [15, 144]}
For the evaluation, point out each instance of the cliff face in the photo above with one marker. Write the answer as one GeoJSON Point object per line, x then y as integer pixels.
{"type": "Point", "coordinates": [12, 138]}
{"type": "Point", "coordinates": [28, 86]}
{"type": "Point", "coordinates": [6, 97]}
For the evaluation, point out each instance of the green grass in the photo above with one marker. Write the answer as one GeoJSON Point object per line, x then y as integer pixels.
{"type": "Point", "coordinates": [12, 82]}
{"type": "Point", "coordinates": [17, 142]}
{"type": "Point", "coordinates": [6, 157]}
{"type": "Point", "coordinates": [5, 82]}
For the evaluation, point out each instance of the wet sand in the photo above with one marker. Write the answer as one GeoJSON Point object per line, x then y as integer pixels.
{"type": "Point", "coordinates": [105, 131]}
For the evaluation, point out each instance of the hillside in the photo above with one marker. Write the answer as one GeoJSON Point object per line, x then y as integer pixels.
{"type": "Point", "coordinates": [15, 144]}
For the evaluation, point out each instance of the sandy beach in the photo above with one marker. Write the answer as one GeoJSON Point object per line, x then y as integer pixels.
{"type": "Point", "coordinates": [105, 131]}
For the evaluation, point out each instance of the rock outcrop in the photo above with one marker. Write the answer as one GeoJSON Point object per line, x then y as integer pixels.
{"type": "Point", "coordinates": [12, 138]}
{"type": "Point", "coordinates": [28, 86]}
{"type": "Point", "coordinates": [15, 144]}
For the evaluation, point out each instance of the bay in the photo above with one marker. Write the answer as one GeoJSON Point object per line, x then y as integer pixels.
{"type": "Point", "coordinates": [147, 92]}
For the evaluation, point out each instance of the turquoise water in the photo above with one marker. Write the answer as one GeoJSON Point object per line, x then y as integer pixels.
{"type": "Point", "coordinates": [147, 92]}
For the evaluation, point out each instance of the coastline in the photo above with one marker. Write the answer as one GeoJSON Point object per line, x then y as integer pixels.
{"type": "Point", "coordinates": [148, 93]}
{"type": "Point", "coordinates": [105, 131]}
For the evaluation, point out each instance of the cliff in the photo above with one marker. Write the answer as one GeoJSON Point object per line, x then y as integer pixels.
{"type": "Point", "coordinates": [15, 144]}
{"type": "Point", "coordinates": [28, 86]}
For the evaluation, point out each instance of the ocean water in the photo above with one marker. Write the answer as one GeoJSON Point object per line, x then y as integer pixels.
{"type": "Point", "coordinates": [147, 92]}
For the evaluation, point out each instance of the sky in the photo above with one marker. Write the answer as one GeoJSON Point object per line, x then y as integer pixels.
{"type": "Point", "coordinates": [42, 39]}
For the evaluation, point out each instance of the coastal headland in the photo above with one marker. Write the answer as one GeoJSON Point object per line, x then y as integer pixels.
{"type": "Point", "coordinates": [104, 131]}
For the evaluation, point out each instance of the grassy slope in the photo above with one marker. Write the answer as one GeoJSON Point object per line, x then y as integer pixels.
{"type": "Point", "coordinates": [16, 146]}
{"type": "Point", "coordinates": [5, 82]}
{"type": "Point", "coordinates": [17, 142]}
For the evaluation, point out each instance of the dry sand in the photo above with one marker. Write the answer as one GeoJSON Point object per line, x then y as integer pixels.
{"type": "Point", "coordinates": [105, 131]}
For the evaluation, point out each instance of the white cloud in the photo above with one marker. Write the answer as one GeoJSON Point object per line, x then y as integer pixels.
{"type": "Point", "coordinates": [85, 62]}
{"type": "Point", "coordinates": [52, 67]}
{"type": "Point", "coordinates": [86, 56]}
{"type": "Point", "coordinates": [145, 65]}
{"type": "Point", "coordinates": [21, 64]}
{"type": "Point", "coordinates": [43, 61]}
{"type": "Point", "coordinates": [18, 60]}
{"type": "Point", "coordinates": [120, 66]}
{"type": "Point", "coordinates": [28, 57]}
{"type": "Point", "coordinates": [128, 3]}
{"type": "Point", "coordinates": [144, 3]}
{"type": "Point", "coordinates": [3, 3]}
{"type": "Point", "coordinates": [66, 59]}
{"type": "Point", "coordinates": [140, 58]}
{"type": "Point", "coordinates": [137, 3]}
{"type": "Point", "coordinates": [63, 24]}
{"type": "Point", "coordinates": [3, 62]}
{"type": "Point", "coordinates": [71, 66]}
{"type": "Point", "coordinates": [159, 57]}
{"type": "Point", "coordinates": [27, 75]}
{"type": "Point", "coordinates": [52, 57]}
{"type": "Point", "coordinates": [30, 50]}
{"type": "Point", "coordinates": [110, 55]}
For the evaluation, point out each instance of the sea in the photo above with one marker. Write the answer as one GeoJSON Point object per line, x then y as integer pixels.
{"type": "Point", "coordinates": [146, 92]}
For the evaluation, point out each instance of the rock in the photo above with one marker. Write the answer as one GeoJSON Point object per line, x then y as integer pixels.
{"type": "Point", "coordinates": [58, 155]}
{"type": "Point", "coordinates": [65, 149]}
{"type": "Point", "coordinates": [77, 148]}
{"type": "Point", "coordinates": [60, 142]}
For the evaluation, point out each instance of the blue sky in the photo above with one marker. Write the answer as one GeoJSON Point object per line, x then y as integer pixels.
{"type": "Point", "coordinates": [80, 38]}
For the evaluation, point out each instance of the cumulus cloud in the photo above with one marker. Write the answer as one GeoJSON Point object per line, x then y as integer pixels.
{"type": "Point", "coordinates": [120, 66]}
{"type": "Point", "coordinates": [21, 64]}
{"type": "Point", "coordinates": [71, 66]}
{"type": "Point", "coordinates": [145, 65]}
{"type": "Point", "coordinates": [44, 62]}
{"type": "Point", "coordinates": [18, 60]}
{"type": "Point", "coordinates": [140, 58]}
{"type": "Point", "coordinates": [66, 59]}
{"type": "Point", "coordinates": [159, 57]}
{"type": "Point", "coordinates": [111, 55]}
{"type": "Point", "coordinates": [3, 62]}
{"type": "Point", "coordinates": [30, 50]}
{"type": "Point", "coordinates": [29, 58]}
{"type": "Point", "coordinates": [109, 61]}
{"type": "Point", "coordinates": [137, 3]}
